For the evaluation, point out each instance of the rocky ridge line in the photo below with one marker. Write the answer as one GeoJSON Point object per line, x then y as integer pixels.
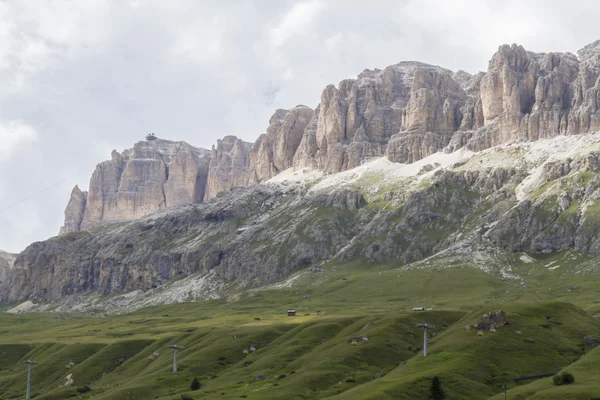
{"type": "Point", "coordinates": [405, 112]}
{"type": "Point", "coordinates": [536, 197]}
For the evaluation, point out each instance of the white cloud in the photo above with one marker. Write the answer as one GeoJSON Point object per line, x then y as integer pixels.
{"type": "Point", "coordinates": [201, 42]}
{"type": "Point", "coordinates": [14, 134]}
{"type": "Point", "coordinates": [298, 20]}
{"type": "Point", "coordinates": [97, 75]}
{"type": "Point", "coordinates": [37, 36]}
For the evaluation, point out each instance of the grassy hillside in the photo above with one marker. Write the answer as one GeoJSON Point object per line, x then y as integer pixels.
{"type": "Point", "coordinates": [586, 386]}
{"type": "Point", "coordinates": [308, 356]}
{"type": "Point", "coordinates": [540, 338]}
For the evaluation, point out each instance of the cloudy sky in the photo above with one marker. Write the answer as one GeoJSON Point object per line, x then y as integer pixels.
{"type": "Point", "coordinates": [79, 78]}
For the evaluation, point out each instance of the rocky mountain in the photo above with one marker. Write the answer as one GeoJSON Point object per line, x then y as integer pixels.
{"type": "Point", "coordinates": [536, 197]}
{"type": "Point", "coordinates": [157, 174]}
{"type": "Point", "coordinates": [399, 164]}
{"type": "Point", "coordinates": [405, 112]}
{"type": "Point", "coordinates": [139, 181]}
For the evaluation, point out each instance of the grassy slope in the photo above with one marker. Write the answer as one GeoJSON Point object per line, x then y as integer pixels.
{"type": "Point", "coordinates": [475, 367]}
{"type": "Point", "coordinates": [586, 386]}
{"type": "Point", "coordinates": [314, 354]}
{"type": "Point", "coordinates": [309, 356]}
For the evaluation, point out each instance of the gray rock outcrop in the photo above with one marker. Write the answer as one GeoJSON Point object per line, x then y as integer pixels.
{"type": "Point", "coordinates": [492, 320]}
{"type": "Point", "coordinates": [526, 95]}
{"type": "Point", "coordinates": [228, 167]}
{"type": "Point", "coordinates": [187, 176]}
{"type": "Point", "coordinates": [274, 151]}
{"type": "Point", "coordinates": [187, 239]}
{"type": "Point", "coordinates": [356, 120]}
{"type": "Point", "coordinates": [591, 341]}
{"type": "Point", "coordinates": [74, 211]}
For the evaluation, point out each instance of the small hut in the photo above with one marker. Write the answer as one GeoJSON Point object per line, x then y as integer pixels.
{"type": "Point", "coordinates": [291, 313]}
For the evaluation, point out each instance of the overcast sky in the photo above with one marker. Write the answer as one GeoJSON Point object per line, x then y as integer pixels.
{"type": "Point", "coordinates": [82, 77]}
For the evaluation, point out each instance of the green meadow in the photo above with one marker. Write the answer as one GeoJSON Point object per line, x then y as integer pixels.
{"type": "Point", "coordinates": [309, 356]}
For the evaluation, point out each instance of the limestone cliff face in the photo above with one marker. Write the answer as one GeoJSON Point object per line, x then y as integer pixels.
{"type": "Point", "coordinates": [305, 156]}
{"type": "Point", "coordinates": [157, 174]}
{"type": "Point", "coordinates": [228, 167]}
{"type": "Point", "coordinates": [74, 211]}
{"type": "Point", "coordinates": [531, 96]}
{"type": "Point", "coordinates": [522, 96]}
{"type": "Point", "coordinates": [235, 163]}
{"type": "Point", "coordinates": [102, 194]}
{"type": "Point", "coordinates": [527, 94]}
{"type": "Point", "coordinates": [356, 120]}
{"type": "Point", "coordinates": [187, 176]}
{"type": "Point", "coordinates": [274, 151]}
{"type": "Point", "coordinates": [585, 104]}
{"type": "Point", "coordinates": [141, 180]}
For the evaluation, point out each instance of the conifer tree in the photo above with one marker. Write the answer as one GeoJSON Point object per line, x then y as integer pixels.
{"type": "Point", "coordinates": [195, 384]}
{"type": "Point", "coordinates": [436, 389]}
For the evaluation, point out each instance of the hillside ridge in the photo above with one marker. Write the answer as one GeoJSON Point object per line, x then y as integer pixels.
{"type": "Point", "coordinates": [536, 197]}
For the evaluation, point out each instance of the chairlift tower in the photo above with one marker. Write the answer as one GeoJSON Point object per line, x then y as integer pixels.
{"type": "Point", "coordinates": [28, 393]}
{"type": "Point", "coordinates": [175, 348]}
{"type": "Point", "coordinates": [425, 326]}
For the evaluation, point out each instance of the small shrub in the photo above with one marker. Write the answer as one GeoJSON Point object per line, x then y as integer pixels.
{"type": "Point", "coordinates": [281, 376]}
{"type": "Point", "coordinates": [557, 380]}
{"type": "Point", "coordinates": [84, 389]}
{"type": "Point", "coordinates": [195, 384]}
{"type": "Point", "coordinates": [567, 378]}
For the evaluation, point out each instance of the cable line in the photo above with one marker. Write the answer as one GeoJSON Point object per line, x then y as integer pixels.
{"type": "Point", "coordinates": [32, 196]}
